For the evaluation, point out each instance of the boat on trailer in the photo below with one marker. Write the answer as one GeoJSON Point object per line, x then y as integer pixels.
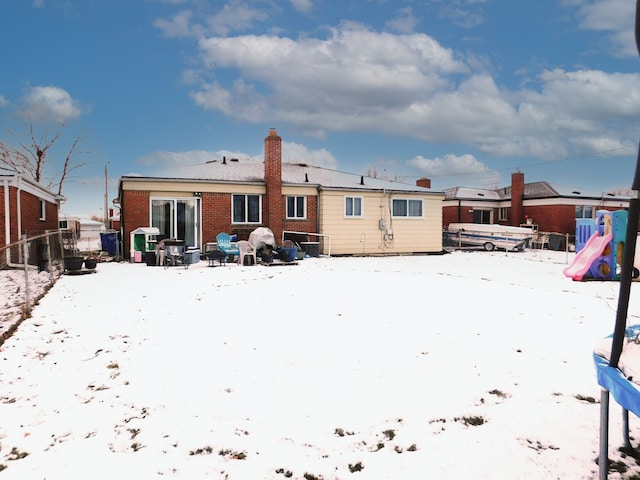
{"type": "Point", "coordinates": [489, 237]}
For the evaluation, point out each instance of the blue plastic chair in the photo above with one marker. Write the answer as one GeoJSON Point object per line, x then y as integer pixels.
{"type": "Point", "coordinates": [225, 245]}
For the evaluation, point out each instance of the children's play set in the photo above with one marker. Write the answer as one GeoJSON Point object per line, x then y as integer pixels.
{"type": "Point", "coordinates": [599, 247]}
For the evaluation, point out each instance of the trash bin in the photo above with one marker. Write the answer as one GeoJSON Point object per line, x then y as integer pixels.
{"type": "Point", "coordinates": [150, 259]}
{"type": "Point", "coordinates": [109, 241]}
{"type": "Point", "coordinates": [557, 242]}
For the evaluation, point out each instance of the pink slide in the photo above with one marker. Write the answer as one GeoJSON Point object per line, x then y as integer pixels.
{"type": "Point", "coordinates": [585, 257]}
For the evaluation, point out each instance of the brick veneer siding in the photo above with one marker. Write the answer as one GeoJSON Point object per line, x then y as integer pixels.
{"type": "Point", "coordinates": [309, 224]}
{"type": "Point", "coordinates": [216, 215]}
{"type": "Point", "coordinates": [555, 218]}
{"type": "Point", "coordinates": [31, 223]}
{"type": "Point", "coordinates": [462, 214]}
{"type": "Point", "coordinates": [30, 219]}
{"type": "Point", "coordinates": [135, 213]}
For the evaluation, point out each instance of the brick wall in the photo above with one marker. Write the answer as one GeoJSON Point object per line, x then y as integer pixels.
{"type": "Point", "coordinates": [309, 224]}
{"type": "Point", "coordinates": [30, 207]}
{"type": "Point", "coordinates": [216, 215]}
{"type": "Point", "coordinates": [30, 219]}
{"type": "Point", "coordinates": [135, 213]}
{"type": "Point", "coordinates": [462, 214]}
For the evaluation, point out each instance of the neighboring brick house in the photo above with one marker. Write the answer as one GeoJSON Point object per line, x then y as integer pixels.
{"type": "Point", "coordinates": [26, 208]}
{"type": "Point", "coordinates": [553, 208]}
{"type": "Point", "coordinates": [345, 213]}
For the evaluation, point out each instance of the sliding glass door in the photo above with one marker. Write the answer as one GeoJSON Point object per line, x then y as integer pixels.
{"type": "Point", "coordinates": [177, 218]}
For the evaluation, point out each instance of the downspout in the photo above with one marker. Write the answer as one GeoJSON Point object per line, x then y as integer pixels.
{"type": "Point", "coordinates": [19, 220]}
{"type": "Point", "coordinates": [319, 190]}
{"type": "Point", "coordinates": [19, 205]}
{"type": "Point", "coordinates": [7, 219]}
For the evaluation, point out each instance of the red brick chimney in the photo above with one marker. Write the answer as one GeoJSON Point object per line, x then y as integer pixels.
{"type": "Point", "coordinates": [517, 194]}
{"type": "Point", "coordinates": [274, 203]}
{"type": "Point", "coordinates": [424, 182]}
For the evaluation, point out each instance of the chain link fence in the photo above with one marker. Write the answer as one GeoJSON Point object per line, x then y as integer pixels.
{"type": "Point", "coordinates": [28, 269]}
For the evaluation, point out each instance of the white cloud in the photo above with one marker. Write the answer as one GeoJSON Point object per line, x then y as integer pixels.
{"type": "Point", "coordinates": [51, 104]}
{"type": "Point", "coordinates": [404, 22]}
{"type": "Point", "coordinates": [234, 16]}
{"type": "Point", "coordinates": [3, 101]}
{"type": "Point", "coordinates": [353, 77]}
{"type": "Point", "coordinates": [458, 167]}
{"type": "Point", "coordinates": [175, 164]}
{"type": "Point", "coordinates": [296, 153]}
{"type": "Point", "coordinates": [615, 17]}
{"type": "Point", "coordinates": [302, 6]}
{"type": "Point", "coordinates": [178, 26]}
{"type": "Point", "coordinates": [356, 79]}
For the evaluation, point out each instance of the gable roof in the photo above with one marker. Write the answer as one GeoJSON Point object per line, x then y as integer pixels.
{"type": "Point", "coordinates": [247, 171]}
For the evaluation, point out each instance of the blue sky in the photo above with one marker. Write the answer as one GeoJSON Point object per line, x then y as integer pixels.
{"type": "Point", "coordinates": [460, 91]}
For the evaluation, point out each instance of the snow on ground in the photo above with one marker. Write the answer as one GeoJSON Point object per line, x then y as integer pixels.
{"type": "Point", "coordinates": [466, 365]}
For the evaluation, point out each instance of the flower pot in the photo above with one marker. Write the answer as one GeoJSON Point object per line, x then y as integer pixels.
{"type": "Point", "coordinates": [90, 263]}
{"type": "Point", "coordinates": [73, 263]}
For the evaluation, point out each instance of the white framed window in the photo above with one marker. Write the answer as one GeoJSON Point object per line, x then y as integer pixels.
{"type": "Point", "coordinates": [43, 210]}
{"type": "Point", "coordinates": [296, 207]}
{"type": "Point", "coordinates": [246, 208]}
{"type": "Point", "coordinates": [353, 207]}
{"type": "Point", "coordinates": [584, 211]}
{"type": "Point", "coordinates": [403, 207]}
{"type": "Point", "coordinates": [503, 214]}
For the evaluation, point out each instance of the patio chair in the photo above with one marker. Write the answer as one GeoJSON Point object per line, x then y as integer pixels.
{"type": "Point", "coordinates": [224, 244]}
{"type": "Point", "coordinates": [174, 253]}
{"type": "Point", "coordinates": [246, 250]}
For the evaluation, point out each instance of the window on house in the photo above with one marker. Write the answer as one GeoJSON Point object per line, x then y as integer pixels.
{"type": "Point", "coordinates": [177, 218]}
{"type": "Point", "coordinates": [296, 207]}
{"type": "Point", "coordinates": [406, 208]}
{"type": "Point", "coordinates": [246, 209]}
{"type": "Point", "coordinates": [484, 217]}
{"type": "Point", "coordinates": [43, 210]}
{"type": "Point", "coordinates": [353, 206]}
{"type": "Point", "coordinates": [503, 214]}
{"type": "Point", "coordinates": [584, 211]}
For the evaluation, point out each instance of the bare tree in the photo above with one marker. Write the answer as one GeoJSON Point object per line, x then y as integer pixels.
{"type": "Point", "coordinates": [31, 158]}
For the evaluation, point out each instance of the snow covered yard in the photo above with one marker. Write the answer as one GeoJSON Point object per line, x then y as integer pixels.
{"type": "Point", "coordinates": [467, 365]}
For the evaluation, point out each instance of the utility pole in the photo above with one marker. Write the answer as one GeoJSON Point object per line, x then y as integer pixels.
{"type": "Point", "coordinates": [106, 198]}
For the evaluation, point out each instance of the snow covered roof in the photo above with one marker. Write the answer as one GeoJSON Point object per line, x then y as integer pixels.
{"type": "Point", "coordinates": [466, 193]}
{"type": "Point", "coordinates": [247, 171]}
{"type": "Point", "coordinates": [531, 190]}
